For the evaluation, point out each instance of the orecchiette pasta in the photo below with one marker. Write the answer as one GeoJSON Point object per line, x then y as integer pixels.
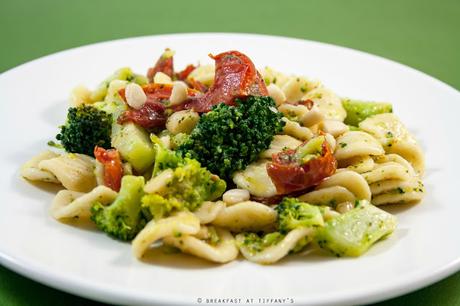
{"type": "Point", "coordinates": [234, 196]}
{"type": "Point", "coordinates": [387, 171]}
{"type": "Point", "coordinates": [99, 172]}
{"type": "Point", "coordinates": [276, 93]}
{"type": "Point", "coordinates": [312, 117]}
{"type": "Point", "coordinates": [223, 250]}
{"type": "Point", "coordinates": [394, 180]}
{"type": "Point", "coordinates": [272, 76]}
{"type": "Point", "coordinates": [359, 164]}
{"type": "Point", "coordinates": [294, 112]}
{"type": "Point", "coordinates": [208, 211]}
{"type": "Point", "coordinates": [397, 159]}
{"type": "Point", "coordinates": [74, 171]}
{"type": "Point", "coordinates": [327, 102]}
{"type": "Point", "coordinates": [334, 127]}
{"type": "Point", "coordinates": [294, 129]}
{"type": "Point", "coordinates": [275, 252]}
{"type": "Point", "coordinates": [331, 141]}
{"type": "Point", "coordinates": [293, 87]}
{"type": "Point", "coordinates": [249, 216]}
{"type": "Point", "coordinates": [328, 196]}
{"type": "Point", "coordinates": [395, 138]}
{"type": "Point", "coordinates": [279, 143]}
{"type": "Point", "coordinates": [31, 171]}
{"type": "Point", "coordinates": [352, 181]}
{"type": "Point", "coordinates": [184, 223]}
{"type": "Point", "coordinates": [397, 191]}
{"type": "Point", "coordinates": [159, 183]}
{"type": "Point", "coordinates": [356, 143]}
{"type": "Point", "coordinates": [255, 179]}
{"type": "Point", "coordinates": [72, 204]}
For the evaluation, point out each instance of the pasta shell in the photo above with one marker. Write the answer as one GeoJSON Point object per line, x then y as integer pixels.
{"type": "Point", "coordinates": [74, 171]}
{"type": "Point", "coordinates": [71, 204]}
{"type": "Point", "coordinates": [328, 196]}
{"type": "Point", "coordinates": [208, 211]}
{"type": "Point", "coordinates": [224, 251]}
{"type": "Point", "coordinates": [327, 102]}
{"type": "Point", "coordinates": [256, 180]}
{"type": "Point", "coordinates": [181, 224]}
{"type": "Point", "coordinates": [275, 252]}
{"type": "Point", "coordinates": [31, 171]}
{"type": "Point", "coordinates": [395, 138]}
{"type": "Point", "coordinates": [353, 181]}
{"type": "Point", "coordinates": [279, 143]}
{"type": "Point", "coordinates": [357, 143]}
{"type": "Point", "coordinates": [247, 216]}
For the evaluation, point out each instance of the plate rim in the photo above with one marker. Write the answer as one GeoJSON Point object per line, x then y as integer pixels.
{"type": "Point", "coordinates": [95, 291]}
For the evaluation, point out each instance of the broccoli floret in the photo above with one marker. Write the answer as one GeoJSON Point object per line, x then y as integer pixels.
{"type": "Point", "coordinates": [354, 232]}
{"type": "Point", "coordinates": [178, 139]}
{"type": "Point", "coordinates": [228, 138]}
{"type": "Point", "coordinates": [189, 186]}
{"type": "Point", "coordinates": [293, 214]}
{"type": "Point", "coordinates": [255, 243]}
{"type": "Point", "coordinates": [164, 158]}
{"type": "Point", "coordinates": [357, 111]}
{"type": "Point", "coordinates": [85, 128]}
{"type": "Point", "coordinates": [123, 218]}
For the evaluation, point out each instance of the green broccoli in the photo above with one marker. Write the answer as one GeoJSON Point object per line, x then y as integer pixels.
{"type": "Point", "coordinates": [228, 138]}
{"type": "Point", "coordinates": [85, 128]}
{"type": "Point", "coordinates": [255, 243]}
{"type": "Point", "coordinates": [123, 218]}
{"type": "Point", "coordinates": [178, 139]}
{"type": "Point", "coordinates": [164, 158]}
{"type": "Point", "coordinates": [353, 232]}
{"type": "Point", "coordinates": [293, 214]}
{"type": "Point", "coordinates": [357, 111]}
{"type": "Point", "coordinates": [189, 186]}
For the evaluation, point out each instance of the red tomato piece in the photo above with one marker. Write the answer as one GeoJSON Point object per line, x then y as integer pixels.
{"type": "Point", "coordinates": [157, 92]}
{"type": "Point", "coordinates": [150, 115]}
{"type": "Point", "coordinates": [236, 76]}
{"type": "Point", "coordinates": [154, 92]}
{"type": "Point", "coordinates": [164, 64]}
{"type": "Point", "coordinates": [113, 169]}
{"type": "Point", "coordinates": [197, 85]}
{"type": "Point", "coordinates": [289, 175]}
{"type": "Point", "coordinates": [182, 75]}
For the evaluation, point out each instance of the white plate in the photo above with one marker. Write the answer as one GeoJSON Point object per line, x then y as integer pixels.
{"type": "Point", "coordinates": [424, 248]}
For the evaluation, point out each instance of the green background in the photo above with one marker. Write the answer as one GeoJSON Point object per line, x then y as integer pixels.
{"type": "Point", "coordinates": [422, 34]}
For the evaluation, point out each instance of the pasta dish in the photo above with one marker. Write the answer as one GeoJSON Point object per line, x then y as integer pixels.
{"type": "Point", "coordinates": [225, 159]}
